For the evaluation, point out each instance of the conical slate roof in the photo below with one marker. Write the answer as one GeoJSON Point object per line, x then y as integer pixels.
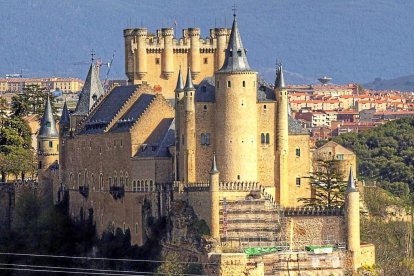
{"type": "Point", "coordinates": [351, 183]}
{"type": "Point", "coordinates": [65, 117]}
{"type": "Point", "coordinates": [180, 83]}
{"type": "Point", "coordinates": [235, 60]}
{"type": "Point", "coordinates": [91, 92]}
{"type": "Point", "coordinates": [280, 79]}
{"type": "Point", "coordinates": [48, 124]}
{"type": "Point", "coordinates": [214, 166]}
{"type": "Point", "coordinates": [189, 82]}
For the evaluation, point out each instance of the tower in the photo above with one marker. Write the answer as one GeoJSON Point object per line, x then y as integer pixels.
{"type": "Point", "coordinates": [236, 113]}
{"type": "Point", "coordinates": [179, 94]}
{"type": "Point", "coordinates": [167, 53]}
{"type": "Point", "coordinates": [48, 142]}
{"type": "Point", "coordinates": [188, 123]}
{"type": "Point", "coordinates": [64, 131]}
{"type": "Point", "coordinates": [140, 64]}
{"type": "Point", "coordinates": [352, 221]}
{"type": "Point", "coordinates": [194, 34]}
{"type": "Point", "coordinates": [221, 37]}
{"type": "Point", "coordinates": [214, 200]}
{"type": "Point", "coordinates": [282, 137]}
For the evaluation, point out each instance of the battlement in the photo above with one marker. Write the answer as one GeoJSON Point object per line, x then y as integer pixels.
{"type": "Point", "coordinates": [313, 211]}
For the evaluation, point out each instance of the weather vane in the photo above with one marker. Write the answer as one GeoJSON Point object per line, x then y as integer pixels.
{"type": "Point", "coordinates": [234, 9]}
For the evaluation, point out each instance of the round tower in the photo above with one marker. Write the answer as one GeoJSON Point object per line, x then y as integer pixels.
{"type": "Point", "coordinates": [167, 53]}
{"type": "Point", "coordinates": [352, 221]}
{"type": "Point", "coordinates": [221, 39]}
{"type": "Point", "coordinates": [189, 130]}
{"type": "Point", "coordinates": [47, 141]}
{"type": "Point", "coordinates": [129, 55]}
{"type": "Point", "coordinates": [282, 138]}
{"type": "Point", "coordinates": [179, 95]}
{"type": "Point", "coordinates": [141, 55]}
{"type": "Point", "coordinates": [194, 34]}
{"type": "Point", "coordinates": [214, 200]}
{"type": "Point", "coordinates": [236, 114]}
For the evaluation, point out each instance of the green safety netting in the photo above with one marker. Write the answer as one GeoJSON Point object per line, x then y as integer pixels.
{"type": "Point", "coordinates": [257, 251]}
{"type": "Point", "coordinates": [319, 248]}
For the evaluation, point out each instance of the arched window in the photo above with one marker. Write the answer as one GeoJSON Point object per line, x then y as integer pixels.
{"type": "Point", "coordinates": [146, 186]}
{"type": "Point", "coordinates": [134, 186]}
{"type": "Point", "coordinates": [101, 186]}
{"type": "Point", "coordinates": [79, 179]}
{"type": "Point", "coordinates": [203, 139]}
{"type": "Point", "coordinates": [152, 186]}
{"type": "Point", "coordinates": [93, 180]}
{"type": "Point", "coordinates": [85, 178]}
{"type": "Point", "coordinates": [207, 139]}
{"type": "Point", "coordinates": [262, 138]}
{"type": "Point", "coordinates": [136, 228]}
{"type": "Point", "coordinates": [267, 138]}
{"type": "Point", "coordinates": [115, 179]}
{"type": "Point", "coordinates": [126, 179]}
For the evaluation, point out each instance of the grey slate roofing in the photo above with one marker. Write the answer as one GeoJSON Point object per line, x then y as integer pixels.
{"type": "Point", "coordinates": [107, 109]}
{"type": "Point", "coordinates": [135, 111]}
{"type": "Point", "coordinates": [65, 117]}
{"type": "Point", "coordinates": [206, 91]}
{"type": "Point", "coordinates": [48, 124]}
{"type": "Point", "coordinates": [295, 127]}
{"type": "Point", "coordinates": [280, 79]}
{"type": "Point", "coordinates": [351, 183]}
{"type": "Point", "coordinates": [235, 59]}
{"type": "Point", "coordinates": [265, 93]}
{"type": "Point", "coordinates": [189, 82]}
{"type": "Point", "coordinates": [180, 85]}
{"type": "Point", "coordinates": [214, 165]}
{"type": "Point", "coordinates": [92, 90]}
{"type": "Point", "coordinates": [159, 140]}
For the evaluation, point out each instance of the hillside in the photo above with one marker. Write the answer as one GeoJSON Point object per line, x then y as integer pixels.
{"type": "Point", "coordinates": [350, 41]}
{"type": "Point", "coordinates": [402, 84]}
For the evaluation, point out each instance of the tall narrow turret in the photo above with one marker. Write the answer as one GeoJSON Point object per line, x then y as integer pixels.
{"type": "Point", "coordinates": [179, 94]}
{"type": "Point", "coordinates": [282, 136]}
{"type": "Point", "coordinates": [140, 58]}
{"type": "Point", "coordinates": [221, 37]}
{"type": "Point", "coordinates": [352, 221]}
{"type": "Point", "coordinates": [194, 34]}
{"type": "Point", "coordinates": [189, 130]}
{"type": "Point", "coordinates": [214, 200]}
{"type": "Point", "coordinates": [167, 53]}
{"type": "Point", "coordinates": [64, 123]}
{"type": "Point", "coordinates": [236, 113]}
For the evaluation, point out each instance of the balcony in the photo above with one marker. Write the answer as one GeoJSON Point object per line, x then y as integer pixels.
{"type": "Point", "coordinates": [117, 192]}
{"type": "Point", "coordinates": [84, 191]}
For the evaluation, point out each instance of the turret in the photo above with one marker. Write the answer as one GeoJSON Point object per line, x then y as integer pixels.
{"type": "Point", "coordinates": [214, 200]}
{"type": "Point", "coordinates": [129, 54]}
{"type": "Point", "coordinates": [282, 137]}
{"type": "Point", "coordinates": [141, 55]}
{"type": "Point", "coordinates": [179, 95]}
{"type": "Point", "coordinates": [221, 38]}
{"type": "Point", "coordinates": [167, 53]}
{"type": "Point", "coordinates": [64, 123]}
{"type": "Point", "coordinates": [352, 221]}
{"type": "Point", "coordinates": [236, 113]}
{"type": "Point", "coordinates": [194, 34]}
{"type": "Point", "coordinates": [48, 139]}
{"type": "Point", "coordinates": [189, 130]}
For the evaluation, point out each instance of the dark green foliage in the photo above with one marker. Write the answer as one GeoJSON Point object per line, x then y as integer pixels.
{"type": "Point", "coordinates": [328, 187]}
{"type": "Point", "coordinates": [199, 228]}
{"type": "Point", "coordinates": [385, 154]}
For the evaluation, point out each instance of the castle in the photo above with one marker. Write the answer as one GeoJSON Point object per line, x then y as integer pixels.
{"type": "Point", "coordinates": [228, 148]}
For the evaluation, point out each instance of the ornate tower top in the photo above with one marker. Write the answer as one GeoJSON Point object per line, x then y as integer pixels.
{"type": "Point", "coordinates": [48, 124]}
{"type": "Point", "coordinates": [235, 60]}
{"type": "Point", "coordinates": [280, 79]}
{"type": "Point", "coordinates": [351, 183]}
{"type": "Point", "coordinates": [65, 117]}
{"type": "Point", "coordinates": [214, 166]}
{"type": "Point", "coordinates": [189, 82]}
{"type": "Point", "coordinates": [91, 91]}
{"type": "Point", "coordinates": [180, 84]}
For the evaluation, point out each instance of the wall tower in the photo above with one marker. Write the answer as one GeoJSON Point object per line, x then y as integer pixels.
{"type": "Point", "coordinates": [194, 34]}
{"type": "Point", "coordinates": [282, 137]}
{"type": "Point", "coordinates": [167, 53]}
{"type": "Point", "coordinates": [236, 113]}
{"type": "Point", "coordinates": [179, 95]}
{"type": "Point", "coordinates": [352, 221]}
{"type": "Point", "coordinates": [214, 200]}
{"type": "Point", "coordinates": [189, 138]}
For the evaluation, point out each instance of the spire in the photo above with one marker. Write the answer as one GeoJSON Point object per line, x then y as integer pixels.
{"type": "Point", "coordinates": [280, 79]}
{"type": "Point", "coordinates": [92, 90]}
{"type": "Point", "coordinates": [235, 60]}
{"type": "Point", "coordinates": [48, 124]}
{"type": "Point", "coordinates": [214, 165]}
{"type": "Point", "coordinates": [351, 183]}
{"type": "Point", "coordinates": [189, 82]}
{"type": "Point", "coordinates": [65, 117]}
{"type": "Point", "coordinates": [180, 84]}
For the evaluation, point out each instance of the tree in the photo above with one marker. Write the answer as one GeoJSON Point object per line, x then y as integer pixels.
{"type": "Point", "coordinates": [31, 101]}
{"type": "Point", "coordinates": [328, 186]}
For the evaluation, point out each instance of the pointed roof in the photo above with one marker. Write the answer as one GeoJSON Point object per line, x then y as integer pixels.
{"type": "Point", "coordinates": [48, 124]}
{"type": "Point", "coordinates": [180, 83]}
{"type": "Point", "coordinates": [351, 183]}
{"type": "Point", "coordinates": [280, 79]}
{"type": "Point", "coordinates": [65, 117]}
{"type": "Point", "coordinates": [92, 90]}
{"type": "Point", "coordinates": [214, 166]}
{"type": "Point", "coordinates": [235, 60]}
{"type": "Point", "coordinates": [189, 82]}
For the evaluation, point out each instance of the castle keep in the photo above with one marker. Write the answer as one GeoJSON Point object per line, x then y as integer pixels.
{"type": "Point", "coordinates": [228, 148]}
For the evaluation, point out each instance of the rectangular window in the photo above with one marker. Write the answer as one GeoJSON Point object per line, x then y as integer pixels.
{"type": "Point", "coordinates": [228, 83]}
{"type": "Point", "coordinates": [244, 83]}
{"type": "Point", "coordinates": [298, 181]}
{"type": "Point", "coordinates": [205, 60]}
{"type": "Point", "coordinates": [340, 156]}
{"type": "Point", "coordinates": [157, 61]}
{"type": "Point", "coordinates": [50, 144]}
{"type": "Point", "coordinates": [298, 152]}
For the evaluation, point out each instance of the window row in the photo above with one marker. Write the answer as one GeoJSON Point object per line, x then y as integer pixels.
{"type": "Point", "coordinates": [229, 84]}
{"type": "Point", "coordinates": [143, 186]}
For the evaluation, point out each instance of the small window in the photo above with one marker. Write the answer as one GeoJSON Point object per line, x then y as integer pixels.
{"type": "Point", "coordinates": [239, 53]}
{"type": "Point", "coordinates": [267, 138]}
{"type": "Point", "coordinates": [298, 181]}
{"type": "Point", "coordinates": [50, 144]}
{"type": "Point", "coordinates": [203, 139]}
{"type": "Point", "coordinates": [205, 107]}
{"type": "Point", "coordinates": [228, 83]}
{"type": "Point", "coordinates": [244, 83]}
{"type": "Point", "coordinates": [238, 177]}
{"type": "Point", "coordinates": [48, 124]}
{"type": "Point", "coordinates": [264, 107]}
{"type": "Point", "coordinates": [340, 156]}
{"type": "Point", "coordinates": [157, 61]}
{"type": "Point", "coordinates": [298, 152]}
{"type": "Point", "coordinates": [205, 60]}
{"type": "Point", "coordinates": [262, 138]}
{"type": "Point", "coordinates": [136, 228]}
{"type": "Point", "coordinates": [40, 165]}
